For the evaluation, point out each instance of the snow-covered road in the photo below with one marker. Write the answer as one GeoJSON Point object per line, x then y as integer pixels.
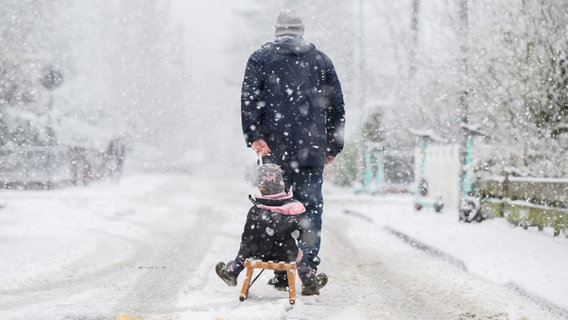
{"type": "Point", "coordinates": [146, 247]}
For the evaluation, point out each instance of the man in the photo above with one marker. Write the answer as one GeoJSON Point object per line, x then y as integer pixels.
{"type": "Point", "coordinates": [293, 115]}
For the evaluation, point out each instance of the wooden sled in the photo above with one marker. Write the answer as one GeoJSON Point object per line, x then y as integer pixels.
{"type": "Point", "coordinates": [290, 269]}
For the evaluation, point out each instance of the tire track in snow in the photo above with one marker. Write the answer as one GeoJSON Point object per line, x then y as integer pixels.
{"type": "Point", "coordinates": [169, 263]}
{"type": "Point", "coordinates": [545, 304]}
{"type": "Point", "coordinates": [440, 288]}
{"type": "Point", "coordinates": [376, 284]}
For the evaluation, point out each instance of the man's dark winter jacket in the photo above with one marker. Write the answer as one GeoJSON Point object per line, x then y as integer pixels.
{"type": "Point", "coordinates": [291, 97]}
{"type": "Point", "coordinates": [269, 231]}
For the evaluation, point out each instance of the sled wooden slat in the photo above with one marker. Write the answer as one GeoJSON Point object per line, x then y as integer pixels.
{"type": "Point", "coordinates": [289, 267]}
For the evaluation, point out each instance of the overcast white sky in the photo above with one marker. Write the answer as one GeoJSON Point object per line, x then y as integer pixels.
{"type": "Point", "coordinates": [207, 25]}
{"type": "Point", "coordinates": [209, 32]}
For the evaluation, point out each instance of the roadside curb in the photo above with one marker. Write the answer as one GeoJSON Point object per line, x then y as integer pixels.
{"type": "Point", "coordinates": [426, 248]}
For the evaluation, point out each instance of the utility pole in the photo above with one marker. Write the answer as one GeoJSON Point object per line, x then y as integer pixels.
{"type": "Point", "coordinates": [361, 55]}
{"type": "Point", "coordinates": [464, 100]}
{"type": "Point", "coordinates": [414, 34]}
{"type": "Point", "coordinates": [411, 84]}
{"type": "Point", "coordinates": [463, 32]}
{"type": "Point", "coordinates": [360, 86]}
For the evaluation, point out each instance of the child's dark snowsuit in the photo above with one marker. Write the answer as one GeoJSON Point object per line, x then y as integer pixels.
{"type": "Point", "coordinates": [270, 231]}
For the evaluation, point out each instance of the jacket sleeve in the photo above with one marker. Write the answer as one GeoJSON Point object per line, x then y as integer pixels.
{"type": "Point", "coordinates": [335, 111]}
{"type": "Point", "coordinates": [252, 103]}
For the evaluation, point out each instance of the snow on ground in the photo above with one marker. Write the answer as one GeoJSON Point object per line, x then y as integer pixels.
{"type": "Point", "coordinates": [146, 246]}
{"type": "Point", "coordinates": [528, 261]}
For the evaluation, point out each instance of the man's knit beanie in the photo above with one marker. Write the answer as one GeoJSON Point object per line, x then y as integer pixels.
{"type": "Point", "coordinates": [270, 179]}
{"type": "Point", "coordinates": [288, 23]}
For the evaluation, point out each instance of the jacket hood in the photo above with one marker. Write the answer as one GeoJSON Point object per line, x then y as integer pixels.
{"type": "Point", "coordinates": [289, 45]}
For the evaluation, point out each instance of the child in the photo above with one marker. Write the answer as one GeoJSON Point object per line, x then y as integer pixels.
{"type": "Point", "coordinates": [270, 233]}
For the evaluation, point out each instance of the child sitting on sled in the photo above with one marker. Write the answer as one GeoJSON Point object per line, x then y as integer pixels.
{"type": "Point", "coordinates": [270, 232]}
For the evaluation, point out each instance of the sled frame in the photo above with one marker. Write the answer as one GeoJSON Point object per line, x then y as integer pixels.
{"type": "Point", "coordinates": [289, 267]}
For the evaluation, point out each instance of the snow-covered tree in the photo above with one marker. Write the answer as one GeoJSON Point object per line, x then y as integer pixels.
{"type": "Point", "coordinates": [122, 69]}
{"type": "Point", "coordinates": [29, 45]}
{"type": "Point", "coordinates": [518, 86]}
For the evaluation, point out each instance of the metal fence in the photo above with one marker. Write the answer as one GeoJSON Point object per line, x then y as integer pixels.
{"type": "Point", "coordinates": [527, 202]}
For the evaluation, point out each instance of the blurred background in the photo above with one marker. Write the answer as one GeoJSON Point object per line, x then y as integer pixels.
{"type": "Point", "coordinates": [90, 87]}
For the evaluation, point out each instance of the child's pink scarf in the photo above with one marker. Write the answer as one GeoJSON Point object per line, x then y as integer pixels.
{"type": "Point", "coordinates": [290, 208]}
